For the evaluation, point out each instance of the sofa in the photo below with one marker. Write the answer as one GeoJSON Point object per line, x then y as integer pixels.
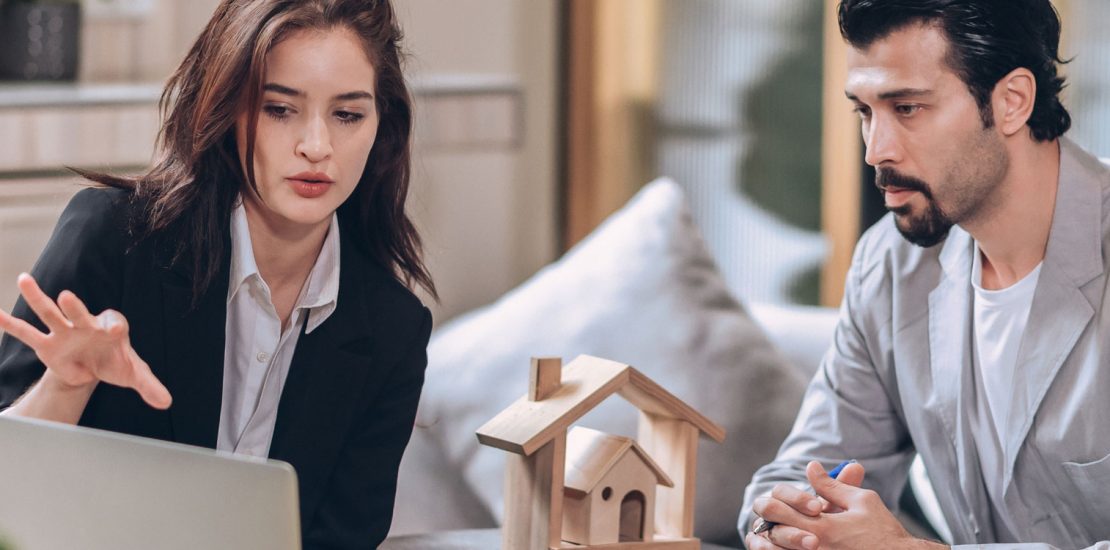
{"type": "Point", "coordinates": [643, 290]}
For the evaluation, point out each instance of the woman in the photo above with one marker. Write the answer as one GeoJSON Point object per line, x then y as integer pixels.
{"type": "Point", "coordinates": [255, 282]}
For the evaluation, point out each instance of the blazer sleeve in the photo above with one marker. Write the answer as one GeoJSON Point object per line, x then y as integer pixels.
{"type": "Point", "coordinates": [358, 507]}
{"type": "Point", "coordinates": [85, 256]}
{"type": "Point", "coordinates": [846, 414]}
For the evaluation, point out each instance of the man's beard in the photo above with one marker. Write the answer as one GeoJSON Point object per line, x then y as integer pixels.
{"type": "Point", "coordinates": [926, 229]}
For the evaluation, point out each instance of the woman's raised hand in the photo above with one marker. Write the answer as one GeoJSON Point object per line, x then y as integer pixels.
{"type": "Point", "coordinates": [80, 349]}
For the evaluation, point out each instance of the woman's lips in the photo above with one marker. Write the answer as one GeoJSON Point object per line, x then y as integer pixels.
{"type": "Point", "coordinates": [308, 189]}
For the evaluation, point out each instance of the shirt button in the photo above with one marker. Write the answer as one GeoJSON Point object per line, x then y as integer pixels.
{"type": "Point", "coordinates": [262, 357]}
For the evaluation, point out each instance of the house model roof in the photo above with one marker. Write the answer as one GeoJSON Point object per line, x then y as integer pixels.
{"type": "Point", "coordinates": [591, 454]}
{"type": "Point", "coordinates": [526, 426]}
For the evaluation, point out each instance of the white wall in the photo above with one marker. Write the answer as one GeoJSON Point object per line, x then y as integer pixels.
{"type": "Point", "coordinates": [488, 212]}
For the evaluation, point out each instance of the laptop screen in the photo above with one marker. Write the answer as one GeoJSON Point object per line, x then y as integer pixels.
{"type": "Point", "coordinates": [64, 486]}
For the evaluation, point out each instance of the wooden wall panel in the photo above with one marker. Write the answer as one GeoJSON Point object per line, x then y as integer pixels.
{"type": "Point", "coordinates": [612, 79]}
{"type": "Point", "coordinates": [841, 162]}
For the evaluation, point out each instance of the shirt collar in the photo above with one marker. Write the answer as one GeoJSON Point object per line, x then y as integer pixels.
{"type": "Point", "coordinates": [322, 287]}
{"type": "Point", "coordinates": [243, 266]}
{"type": "Point", "coordinates": [321, 290]}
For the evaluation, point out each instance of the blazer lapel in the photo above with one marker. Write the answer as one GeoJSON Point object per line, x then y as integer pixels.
{"type": "Point", "coordinates": [950, 346]}
{"type": "Point", "coordinates": [327, 378]}
{"type": "Point", "coordinates": [195, 355]}
{"type": "Point", "coordinates": [950, 327]}
{"type": "Point", "coordinates": [1064, 302]}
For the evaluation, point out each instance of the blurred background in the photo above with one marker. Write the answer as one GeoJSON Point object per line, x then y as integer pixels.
{"type": "Point", "coordinates": [536, 120]}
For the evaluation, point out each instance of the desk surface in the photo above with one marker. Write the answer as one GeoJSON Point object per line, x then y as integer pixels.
{"type": "Point", "coordinates": [474, 539]}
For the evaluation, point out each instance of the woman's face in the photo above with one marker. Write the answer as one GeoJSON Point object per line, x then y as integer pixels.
{"type": "Point", "coordinates": [317, 124]}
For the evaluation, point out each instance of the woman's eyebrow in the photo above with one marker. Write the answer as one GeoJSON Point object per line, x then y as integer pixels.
{"type": "Point", "coordinates": [355, 95]}
{"type": "Point", "coordinates": [286, 90]}
{"type": "Point", "coordinates": [278, 88]}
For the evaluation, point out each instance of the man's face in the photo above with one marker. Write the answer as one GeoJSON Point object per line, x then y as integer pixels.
{"type": "Point", "coordinates": [935, 162]}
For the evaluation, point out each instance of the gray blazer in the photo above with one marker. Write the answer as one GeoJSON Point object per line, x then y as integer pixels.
{"type": "Point", "coordinates": [897, 380]}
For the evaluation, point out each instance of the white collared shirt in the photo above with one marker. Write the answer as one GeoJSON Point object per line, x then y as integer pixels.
{"type": "Point", "coordinates": [257, 352]}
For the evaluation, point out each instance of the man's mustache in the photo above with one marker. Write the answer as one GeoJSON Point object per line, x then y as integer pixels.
{"type": "Point", "coordinates": [885, 179]}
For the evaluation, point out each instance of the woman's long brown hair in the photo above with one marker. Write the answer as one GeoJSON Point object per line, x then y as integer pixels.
{"type": "Point", "coordinates": [191, 188]}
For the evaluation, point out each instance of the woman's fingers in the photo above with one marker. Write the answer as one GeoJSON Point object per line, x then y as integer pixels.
{"type": "Point", "coordinates": [41, 304]}
{"type": "Point", "coordinates": [112, 321]}
{"type": "Point", "coordinates": [123, 367]}
{"type": "Point", "coordinates": [21, 330]}
{"type": "Point", "coordinates": [150, 389]}
{"type": "Point", "coordinates": [75, 310]}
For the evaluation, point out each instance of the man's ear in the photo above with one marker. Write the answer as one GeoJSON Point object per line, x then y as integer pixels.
{"type": "Point", "coordinates": [1013, 100]}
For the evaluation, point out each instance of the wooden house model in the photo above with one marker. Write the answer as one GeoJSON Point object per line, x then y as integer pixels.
{"type": "Point", "coordinates": [555, 482]}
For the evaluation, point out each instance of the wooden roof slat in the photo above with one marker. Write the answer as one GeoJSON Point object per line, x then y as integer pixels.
{"type": "Point", "coordinates": [526, 426]}
{"type": "Point", "coordinates": [648, 396]}
{"type": "Point", "coordinates": [660, 475]}
{"type": "Point", "coordinates": [591, 453]}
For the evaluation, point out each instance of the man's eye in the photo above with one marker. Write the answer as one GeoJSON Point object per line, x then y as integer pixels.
{"type": "Point", "coordinates": [907, 110]}
{"type": "Point", "coordinates": [863, 112]}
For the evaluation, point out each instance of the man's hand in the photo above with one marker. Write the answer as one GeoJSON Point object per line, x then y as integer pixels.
{"type": "Point", "coordinates": [787, 506]}
{"type": "Point", "coordinates": [863, 522]}
{"type": "Point", "coordinates": [81, 350]}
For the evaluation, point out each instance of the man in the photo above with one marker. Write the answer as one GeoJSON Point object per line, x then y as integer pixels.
{"type": "Point", "coordinates": [975, 313]}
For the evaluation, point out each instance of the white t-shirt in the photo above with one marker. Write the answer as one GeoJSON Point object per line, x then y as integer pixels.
{"type": "Point", "coordinates": [999, 324]}
{"type": "Point", "coordinates": [1000, 317]}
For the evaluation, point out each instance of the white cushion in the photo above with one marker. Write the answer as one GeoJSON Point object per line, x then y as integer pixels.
{"type": "Point", "coordinates": [643, 290]}
{"type": "Point", "coordinates": [804, 334]}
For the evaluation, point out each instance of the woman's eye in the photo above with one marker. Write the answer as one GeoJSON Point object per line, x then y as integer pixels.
{"type": "Point", "coordinates": [348, 117]}
{"type": "Point", "coordinates": [277, 112]}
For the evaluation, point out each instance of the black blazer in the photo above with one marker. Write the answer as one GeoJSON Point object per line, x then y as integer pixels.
{"type": "Point", "coordinates": [349, 402]}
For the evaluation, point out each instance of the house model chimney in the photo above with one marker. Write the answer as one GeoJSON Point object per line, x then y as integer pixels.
{"type": "Point", "coordinates": [545, 377]}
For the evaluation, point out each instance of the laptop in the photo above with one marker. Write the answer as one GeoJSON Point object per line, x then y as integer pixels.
{"type": "Point", "coordinates": [67, 487]}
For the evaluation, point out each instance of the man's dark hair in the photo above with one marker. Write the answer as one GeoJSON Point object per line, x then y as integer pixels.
{"type": "Point", "coordinates": [987, 40]}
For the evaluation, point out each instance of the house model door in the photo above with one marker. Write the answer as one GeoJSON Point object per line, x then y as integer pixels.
{"type": "Point", "coordinates": [633, 512]}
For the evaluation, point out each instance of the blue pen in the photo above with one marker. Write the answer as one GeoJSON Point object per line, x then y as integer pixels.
{"type": "Point", "coordinates": [765, 525]}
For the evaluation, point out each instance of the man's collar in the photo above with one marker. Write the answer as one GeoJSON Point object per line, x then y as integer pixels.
{"type": "Point", "coordinates": [1075, 236]}
{"type": "Point", "coordinates": [1075, 240]}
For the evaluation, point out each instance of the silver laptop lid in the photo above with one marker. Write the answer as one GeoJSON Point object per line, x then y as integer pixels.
{"type": "Point", "coordinates": [66, 487]}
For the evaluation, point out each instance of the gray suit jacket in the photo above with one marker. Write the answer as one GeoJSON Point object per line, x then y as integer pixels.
{"type": "Point", "coordinates": [897, 379]}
